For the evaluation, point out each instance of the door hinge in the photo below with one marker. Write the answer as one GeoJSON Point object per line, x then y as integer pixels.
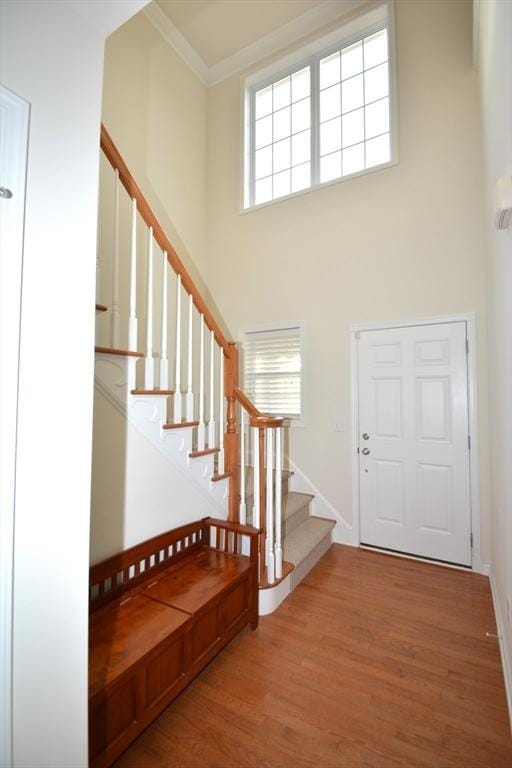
{"type": "Point", "coordinates": [357, 335]}
{"type": "Point", "coordinates": [467, 346]}
{"type": "Point", "coordinates": [358, 450]}
{"type": "Point", "coordinates": [469, 442]}
{"type": "Point", "coordinates": [471, 540]}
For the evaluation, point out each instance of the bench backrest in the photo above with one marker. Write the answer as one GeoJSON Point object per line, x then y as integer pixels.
{"type": "Point", "coordinates": [111, 578]}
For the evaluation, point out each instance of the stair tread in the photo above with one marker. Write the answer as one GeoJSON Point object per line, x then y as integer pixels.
{"type": "Point", "coordinates": [300, 542]}
{"type": "Point", "coordinates": [205, 452]}
{"type": "Point", "coordinates": [293, 501]}
{"type": "Point", "coordinates": [152, 392]}
{"type": "Point", "coordinates": [180, 424]}
{"type": "Point", "coordinates": [285, 473]}
{"type": "Point", "coordinates": [112, 351]}
{"type": "Point", "coordinates": [290, 504]}
{"type": "Point", "coordinates": [216, 478]}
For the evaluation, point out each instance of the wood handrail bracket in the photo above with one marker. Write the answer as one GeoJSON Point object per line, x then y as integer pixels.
{"type": "Point", "coordinates": [116, 161]}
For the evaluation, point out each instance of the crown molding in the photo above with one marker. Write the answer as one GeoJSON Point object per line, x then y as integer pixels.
{"type": "Point", "coordinates": [176, 40]}
{"type": "Point", "coordinates": [282, 37]}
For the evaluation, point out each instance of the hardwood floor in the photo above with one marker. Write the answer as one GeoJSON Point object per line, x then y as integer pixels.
{"type": "Point", "coordinates": [373, 662]}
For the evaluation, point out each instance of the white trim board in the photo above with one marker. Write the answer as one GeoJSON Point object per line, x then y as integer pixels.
{"type": "Point", "coordinates": [506, 662]}
{"type": "Point", "coordinates": [13, 165]}
{"type": "Point", "coordinates": [474, 455]}
{"type": "Point", "coordinates": [304, 25]}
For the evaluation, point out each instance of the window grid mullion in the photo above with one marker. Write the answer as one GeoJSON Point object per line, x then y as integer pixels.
{"type": "Point", "coordinates": [252, 158]}
{"type": "Point", "coordinates": [315, 120]}
{"type": "Point", "coordinates": [315, 158]}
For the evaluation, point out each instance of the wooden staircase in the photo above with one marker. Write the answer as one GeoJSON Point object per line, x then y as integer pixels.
{"type": "Point", "coordinates": [193, 406]}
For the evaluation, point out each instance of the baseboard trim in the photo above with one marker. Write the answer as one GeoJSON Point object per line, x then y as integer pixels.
{"type": "Point", "coordinates": [343, 533]}
{"type": "Point", "coordinates": [506, 662]}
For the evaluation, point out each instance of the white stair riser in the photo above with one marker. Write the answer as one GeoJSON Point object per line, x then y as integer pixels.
{"type": "Point", "coordinates": [115, 377]}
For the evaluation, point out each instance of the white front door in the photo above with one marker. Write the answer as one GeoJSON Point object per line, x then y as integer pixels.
{"type": "Point", "coordinates": [413, 441]}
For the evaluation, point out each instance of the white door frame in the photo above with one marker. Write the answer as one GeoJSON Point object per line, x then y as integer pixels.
{"type": "Point", "coordinates": [474, 469]}
{"type": "Point", "coordinates": [15, 122]}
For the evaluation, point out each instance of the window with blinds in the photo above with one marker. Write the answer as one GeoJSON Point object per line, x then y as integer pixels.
{"type": "Point", "coordinates": [272, 370]}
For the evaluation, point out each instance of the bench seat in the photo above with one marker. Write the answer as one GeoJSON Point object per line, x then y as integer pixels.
{"type": "Point", "coordinates": [161, 611]}
{"type": "Point", "coordinates": [120, 635]}
{"type": "Point", "coordinates": [195, 581]}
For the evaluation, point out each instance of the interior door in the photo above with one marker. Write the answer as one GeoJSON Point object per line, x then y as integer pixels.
{"type": "Point", "coordinates": [413, 441]}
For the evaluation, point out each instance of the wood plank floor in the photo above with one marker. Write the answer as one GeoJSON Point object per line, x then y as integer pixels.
{"type": "Point", "coordinates": [373, 662]}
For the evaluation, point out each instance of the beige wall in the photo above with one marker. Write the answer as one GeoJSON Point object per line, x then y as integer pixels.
{"type": "Point", "coordinates": [403, 242]}
{"type": "Point", "coordinates": [154, 107]}
{"type": "Point", "coordinates": [496, 102]}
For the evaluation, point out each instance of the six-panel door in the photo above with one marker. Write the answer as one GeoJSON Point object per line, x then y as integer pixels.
{"type": "Point", "coordinates": [413, 441]}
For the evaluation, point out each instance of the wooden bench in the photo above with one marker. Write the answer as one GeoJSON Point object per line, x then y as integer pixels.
{"type": "Point", "coordinates": [160, 612]}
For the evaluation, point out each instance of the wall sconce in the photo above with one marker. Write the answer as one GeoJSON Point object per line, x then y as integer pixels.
{"type": "Point", "coordinates": [503, 202]}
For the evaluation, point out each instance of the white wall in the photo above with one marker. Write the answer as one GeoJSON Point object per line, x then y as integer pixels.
{"type": "Point", "coordinates": [495, 70]}
{"type": "Point", "coordinates": [53, 58]}
{"type": "Point", "coordinates": [403, 242]}
{"type": "Point", "coordinates": [136, 492]}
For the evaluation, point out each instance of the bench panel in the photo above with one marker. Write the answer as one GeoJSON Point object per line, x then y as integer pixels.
{"type": "Point", "coordinates": [237, 602]}
{"type": "Point", "coordinates": [206, 632]}
{"type": "Point", "coordinates": [112, 716]}
{"type": "Point", "coordinates": [164, 671]}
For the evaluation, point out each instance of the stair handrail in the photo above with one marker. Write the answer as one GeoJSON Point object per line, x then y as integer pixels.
{"type": "Point", "coordinates": [116, 161]}
{"type": "Point", "coordinates": [266, 428]}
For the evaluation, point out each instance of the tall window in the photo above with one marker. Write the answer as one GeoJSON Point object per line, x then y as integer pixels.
{"type": "Point", "coordinates": [325, 119]}
{"type": "Point", "coordinates": [272, 370]}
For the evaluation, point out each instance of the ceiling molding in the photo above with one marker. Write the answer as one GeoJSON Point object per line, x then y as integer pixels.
{"type": "Point", "coordinates": [282, 37]}
{"type": "Point", "coordinates": [190, 56]}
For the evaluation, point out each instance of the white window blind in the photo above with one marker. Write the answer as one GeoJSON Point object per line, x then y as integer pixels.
{"type": "Point", "coordinates": [272, 370]}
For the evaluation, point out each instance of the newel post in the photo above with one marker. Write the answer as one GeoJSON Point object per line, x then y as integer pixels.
{"type": "Point", "coordinates": [231, 447]}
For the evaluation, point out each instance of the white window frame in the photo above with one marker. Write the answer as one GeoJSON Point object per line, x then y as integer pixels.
{"type": "Point", "coordinates": [293, 422]}
{"type": "Point", "coordinates": [350, 32]}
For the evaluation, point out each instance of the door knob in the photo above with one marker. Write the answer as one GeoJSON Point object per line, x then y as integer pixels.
{"type": "Point", "coordinates": [4, 192]}
{"type": "Point", "coordinates": [365, 451]}
{"type": "Point", "coordinates": [366, 436]}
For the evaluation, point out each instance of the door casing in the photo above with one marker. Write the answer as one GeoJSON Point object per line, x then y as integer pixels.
{"type": "Point", "coordinates": [474, 464]}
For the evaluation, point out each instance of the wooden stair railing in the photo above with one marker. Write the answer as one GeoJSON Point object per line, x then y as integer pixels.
{"type": "Point", "coordinates": [221, 431]}
{"type": "Point", "coordinates": [267, 463]}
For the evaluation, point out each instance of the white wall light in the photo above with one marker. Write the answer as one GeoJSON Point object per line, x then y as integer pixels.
{"type": "Point", "coordinates": [503, 202]}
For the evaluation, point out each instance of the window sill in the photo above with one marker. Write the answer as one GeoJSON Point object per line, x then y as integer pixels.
{"type": "Point", "coordinates": [316, 187]}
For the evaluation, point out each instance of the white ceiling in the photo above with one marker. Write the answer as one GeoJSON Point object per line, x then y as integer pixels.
{"type": "Point", "coordinates": [217, 29]}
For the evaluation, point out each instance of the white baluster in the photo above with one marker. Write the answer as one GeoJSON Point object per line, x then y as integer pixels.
{"type": "Point", "coordinates": [243, 505]}
{"type": "Point", "coordinates": [269, 540]}
{"type": "Point", "coordinates": [201, 427]}
{"type": "Point", "coordinates": [177, 381]}
{"type": "Point", "coordinates": [279, 470]}
{"type": "Point", "coordinates": [220, 464]}
{"type": "Point", "coordinates": [114, 313]}
{"type": "Point", "coordinates": [132, 322]}
{"type": "Point", "coordinates": [189, 403]}
{"type": "Point", "coordinates": [149, 373]}
{"type": "Point", "coordinates": [211, 423]}
{"type": "Point", "coordinates": [256, 511]}
{"type": "Point", "coordinates": [164, 362]}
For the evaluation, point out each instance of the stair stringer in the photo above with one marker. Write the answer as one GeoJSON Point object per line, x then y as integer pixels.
{"type": "Point", "coordinates": [115, 378]}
